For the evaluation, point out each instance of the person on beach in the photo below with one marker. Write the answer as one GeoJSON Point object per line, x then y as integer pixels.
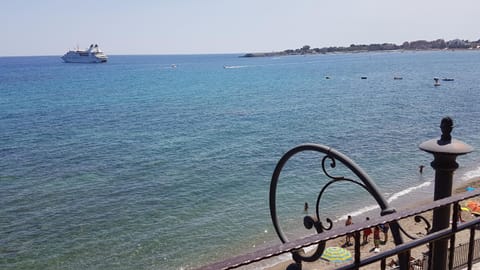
{"type": "Point", "coordinates": [366, 233]}
{"type": "Point", "coordinates": [459, 218]}
{"type": "Point", "coordinates": [384, 227]}
{"type": "Point", "coordinates": [420, 168]}
{"type": "Point", "coordinates": [348, 222]}
{"type": "Point", "coordinates": [305, 207]}
{"type": "Point", "coordinates": [376, 239]}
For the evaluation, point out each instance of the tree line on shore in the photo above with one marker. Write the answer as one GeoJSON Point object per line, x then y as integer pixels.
{"type": "Point", "coordinates": [438, 44]}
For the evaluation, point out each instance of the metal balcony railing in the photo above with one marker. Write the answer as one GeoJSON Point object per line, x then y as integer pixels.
{"type": "Point", "coordinates": [440, 236]}
{"type": "Point", "coordinates": [464, 255]}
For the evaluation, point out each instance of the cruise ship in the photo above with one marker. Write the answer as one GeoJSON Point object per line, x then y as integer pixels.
{"type": "Point", "coordinates": [91, 55]}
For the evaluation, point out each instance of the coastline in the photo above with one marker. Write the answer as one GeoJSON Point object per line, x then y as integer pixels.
{"type": "Point", "coordinates": [417, 45]}
{"type": "Point", "coordinates": [281, 54]}
{"type": "Point", "coordinates": [408, 224]}
{"type": "Point", "coordinates": [122, 196]}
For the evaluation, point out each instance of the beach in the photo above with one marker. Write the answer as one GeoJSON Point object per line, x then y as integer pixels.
{"type": "Point", "coordinates": [408, 224]}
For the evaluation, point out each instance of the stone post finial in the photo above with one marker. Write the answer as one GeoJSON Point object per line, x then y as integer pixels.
{"type": "Point", "coordinates": [446, 126]}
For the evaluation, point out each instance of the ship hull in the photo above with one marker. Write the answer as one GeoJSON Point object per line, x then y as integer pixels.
{"type": "Point", "coordinates": [69, 58]}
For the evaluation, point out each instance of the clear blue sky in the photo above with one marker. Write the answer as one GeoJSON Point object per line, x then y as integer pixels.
{"type": "Point", "coordinates": [50, 27]}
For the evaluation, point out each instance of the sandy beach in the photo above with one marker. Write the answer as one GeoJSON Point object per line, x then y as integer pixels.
{"type": "Point", "coordinates": [408, 224]}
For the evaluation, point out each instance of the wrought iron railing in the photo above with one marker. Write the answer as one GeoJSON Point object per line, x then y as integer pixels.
{"type": "Point", "coordinates": [464, 256]}
{"type": "Point", "coordinates": [440, 235]}
{"type": "Point", "coordinates": [461, 255]}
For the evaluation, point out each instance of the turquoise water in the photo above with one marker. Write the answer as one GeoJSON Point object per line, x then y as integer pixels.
{"type": "Point", "coordinates": [134, 164]}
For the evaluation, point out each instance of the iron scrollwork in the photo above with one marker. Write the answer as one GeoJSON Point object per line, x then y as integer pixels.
{"type": "Point", "coordinates": [331, 158]}
{"type": "Point", "coordinates": [418, 219]}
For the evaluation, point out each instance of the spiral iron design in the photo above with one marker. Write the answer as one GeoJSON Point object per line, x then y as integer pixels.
{"type": "Point", "coordinates": [329, 162]}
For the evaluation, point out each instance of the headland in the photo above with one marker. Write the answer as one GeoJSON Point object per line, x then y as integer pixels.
{"type": "Point", "coordinates": [439, 44]}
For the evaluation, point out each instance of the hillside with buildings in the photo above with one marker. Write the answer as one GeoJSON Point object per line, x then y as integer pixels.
{"type": "Point", "coordinates": [439, 44]}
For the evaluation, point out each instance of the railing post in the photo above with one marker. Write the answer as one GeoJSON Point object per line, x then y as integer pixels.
{"type": "Point", "coordinates": [455, 220]}
{"type": "Point", "coordinates": [471, 248]}
{"type": "Point", "coordinates": [445, 150]}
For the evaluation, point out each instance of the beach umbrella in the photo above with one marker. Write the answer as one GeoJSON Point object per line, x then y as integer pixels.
{"type": "Point", "coordinates": [336, 254]}
{"type": "Point", "coordinates": [474, 207]}
{"type": "Point", "coordinates": [470, 189]}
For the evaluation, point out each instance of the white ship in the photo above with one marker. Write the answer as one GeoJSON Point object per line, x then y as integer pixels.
{"type": "Point", "coordinates": [91, 55]}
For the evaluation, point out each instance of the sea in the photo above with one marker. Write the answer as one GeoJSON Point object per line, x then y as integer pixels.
{"type": "Point", "coordinates": [165, 161]}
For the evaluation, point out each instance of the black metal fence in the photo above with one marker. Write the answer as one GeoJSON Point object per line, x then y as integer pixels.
{"type": "Point", "coordinates": [440, 238]}
{"type": "Point", "coordinates": [464, 255]}
{"type": "Point", "coordinates": [460, 260]}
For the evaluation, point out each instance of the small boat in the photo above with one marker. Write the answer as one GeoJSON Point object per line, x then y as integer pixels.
{"type": "Point", "coordinates": [91, 55]}
{"type": "Point", "coordinates": [398, 78]}
{"type": "Point", "coordinates": [436, 83]}
{"type": "Point", "coordinates": [225, 66]}
{"type": "Point", "coordinates": [447, 79]}
{"type": "Point", "coordinates": [363, 78]}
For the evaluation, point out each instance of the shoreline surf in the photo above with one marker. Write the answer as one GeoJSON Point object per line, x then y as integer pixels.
{"type": "Point", "coordinates": [468, 177]}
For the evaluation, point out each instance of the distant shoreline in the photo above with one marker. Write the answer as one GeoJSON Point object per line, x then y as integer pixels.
{"type": "Point", "coordinates": [419, 45]}
{"type": "Point", "coordinates": [280, 54]}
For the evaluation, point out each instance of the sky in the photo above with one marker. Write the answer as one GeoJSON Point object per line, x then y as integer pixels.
{"type": "Point", "coordinates": [120, 27]}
